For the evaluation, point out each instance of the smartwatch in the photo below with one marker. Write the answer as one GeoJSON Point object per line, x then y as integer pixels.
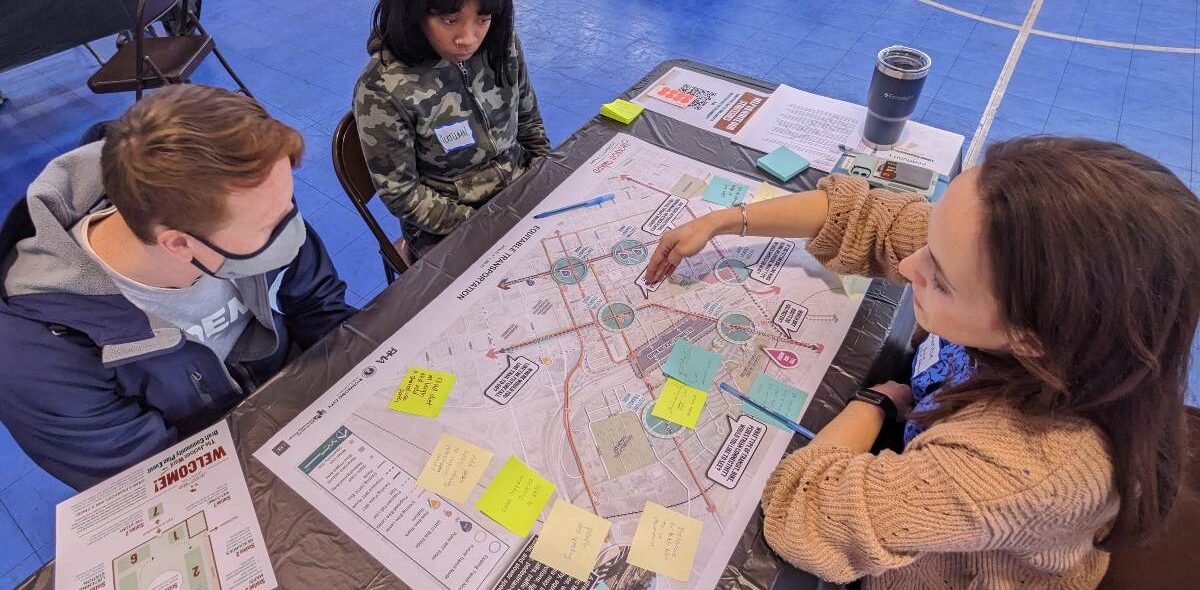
{"type": "Point", "coordinates": [879, 400]}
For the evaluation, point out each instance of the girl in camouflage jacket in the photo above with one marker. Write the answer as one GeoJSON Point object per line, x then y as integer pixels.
{"type": "Point", "coordinates": [445, 111]}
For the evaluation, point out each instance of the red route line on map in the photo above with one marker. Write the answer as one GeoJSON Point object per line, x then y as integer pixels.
{"type": "Point", "coordinates": [504, 284]}
{"type": "Point", "coordinates": [567, 397]}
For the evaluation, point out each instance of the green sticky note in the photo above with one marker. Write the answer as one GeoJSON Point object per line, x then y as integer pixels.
{"type": "Point", "coordinates": [692, 365]}
{"type": "Point", "coordinates": [725, 193]}
{"type": "Point", "coordinates": [776, 395]}
{"type": "Point", "coordinates": [783, 163]}
{"type": "Point", "coordinates": [679, 403]}
{"type": "Point", "coordinates": [622, 110]}
{"type": "Point", "coordinates": [422, 392]}
{"type": "Point", "coordinates": [516, 497]}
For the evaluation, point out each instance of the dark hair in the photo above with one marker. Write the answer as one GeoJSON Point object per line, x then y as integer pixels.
{"type": "Point", "coordinates": [396, 25]}
{"type": "Point", "coordinates": [1094, 255]}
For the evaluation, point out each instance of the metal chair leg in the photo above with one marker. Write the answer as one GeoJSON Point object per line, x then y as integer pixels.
{"type": "Point", "coordinates": [95, 56]}
{"type": "Point", "coordinates": [389, 273]}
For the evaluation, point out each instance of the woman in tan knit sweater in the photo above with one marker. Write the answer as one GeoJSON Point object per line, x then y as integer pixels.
{"type": "Point", "coordinates": [1059, 279]}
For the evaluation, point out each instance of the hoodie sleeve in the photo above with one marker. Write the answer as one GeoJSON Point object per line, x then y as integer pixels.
{"type": "Point", "coordinates": [64, 409]}
{"type": "Point", "coordinates": [312, 297]}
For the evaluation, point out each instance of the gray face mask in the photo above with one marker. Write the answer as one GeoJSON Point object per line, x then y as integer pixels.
{"type": "Point", "coordinates": [279, 251]}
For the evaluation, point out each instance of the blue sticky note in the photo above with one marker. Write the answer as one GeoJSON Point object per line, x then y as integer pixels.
{"type": "Point", "coordinates": [776, 395]}
{"type": "Point", "coordinates": [600, 585]}
{"type": "Point", "coordinates": [692, 365]}
{"type": "Point", "coordinates": [783, 163]}
{"type": "Point", "coordinates": [724, 192]}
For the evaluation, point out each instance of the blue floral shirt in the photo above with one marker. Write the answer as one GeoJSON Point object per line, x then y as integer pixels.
{"type": "Point", "coordinates": [938, 363]}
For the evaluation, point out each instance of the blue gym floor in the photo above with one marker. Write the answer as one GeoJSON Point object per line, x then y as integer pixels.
{"type": "Point", "coordinates": [1119, 70]}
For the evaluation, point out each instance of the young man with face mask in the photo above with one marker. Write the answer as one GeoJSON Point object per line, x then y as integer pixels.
{"type": "Point", "coordinates": [152, 280]}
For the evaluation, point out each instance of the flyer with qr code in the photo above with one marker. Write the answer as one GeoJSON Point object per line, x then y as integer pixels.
{"type": "Point", "coordinates": [703, 101]}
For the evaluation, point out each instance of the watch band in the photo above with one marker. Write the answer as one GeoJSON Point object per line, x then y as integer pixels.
{"type": "Point", "coordinates": [879, 399]}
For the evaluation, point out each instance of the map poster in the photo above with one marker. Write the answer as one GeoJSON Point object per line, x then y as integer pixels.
{"type": "Point", "coordinates": [180, 520]}
{"type": "Point", "coordinates": [721, 106]}
{"type": "Point", "coordinates": [557, 345]}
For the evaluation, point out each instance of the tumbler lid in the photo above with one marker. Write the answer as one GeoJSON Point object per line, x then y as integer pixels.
{"type": "Point", "coordinates": [904, 63]}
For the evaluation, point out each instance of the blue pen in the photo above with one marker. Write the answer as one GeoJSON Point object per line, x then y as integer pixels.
{"type": "Point", "coordinates": [806, 433]}
{"type": "Point", "coordinates": [588, 203]}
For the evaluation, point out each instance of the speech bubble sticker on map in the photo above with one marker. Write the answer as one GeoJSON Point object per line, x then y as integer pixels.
{"type": "Point", "coordinates": [517, 372]}
{"type": "Point", "coordinates": [647, 288]}
{"type": "Point", "coordinates": [660, 220]}
{"type": "Point", "coordinates": [422, 392]}
{"type": "Point", "coordinates": [766, 269]}
{"type": "Point", "coordinates": [515, 497]}
{"type": "Point", "coordinates": [789, 317]}
{"type": "Point", "coordinates": [733, 458]}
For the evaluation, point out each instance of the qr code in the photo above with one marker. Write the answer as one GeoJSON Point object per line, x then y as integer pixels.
{"type": "Point", "coordinates": [703, 97]}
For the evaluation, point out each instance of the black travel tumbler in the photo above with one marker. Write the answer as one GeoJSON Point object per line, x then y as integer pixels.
{"type": "Point", "coordinates": [899, 76]}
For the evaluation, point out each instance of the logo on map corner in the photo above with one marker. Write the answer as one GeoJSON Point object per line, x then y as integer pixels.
{"type": "Point", "coordinates": [280, 448]}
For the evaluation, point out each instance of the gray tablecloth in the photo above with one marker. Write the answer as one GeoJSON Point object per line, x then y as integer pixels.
{"type": "Point", "coordinates": [33, 29]}
{"type": "Point", "coordinates": [308, 551]}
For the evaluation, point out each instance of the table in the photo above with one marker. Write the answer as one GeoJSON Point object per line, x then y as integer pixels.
{"type": "Point", "coordinates": [307, 551]}
{"type": "Point", "coordinates": [33, 29]}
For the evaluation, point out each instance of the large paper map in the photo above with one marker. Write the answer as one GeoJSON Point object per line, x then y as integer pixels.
{"type": "Point", "coordinates": [558, 344]}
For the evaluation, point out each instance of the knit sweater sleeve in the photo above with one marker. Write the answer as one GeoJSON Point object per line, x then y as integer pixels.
{"type": "Point", "coordinates": [842, 516]}
{"type": "Point", "coordinates": [869, 231]}
{"type": "Point", "coordinates": [986, 482]}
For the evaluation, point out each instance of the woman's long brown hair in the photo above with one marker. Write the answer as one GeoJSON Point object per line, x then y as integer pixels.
{"type": "Point", "coordinates": [1094, 252]}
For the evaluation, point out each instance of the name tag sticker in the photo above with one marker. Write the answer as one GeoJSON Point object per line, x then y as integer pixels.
{"type": "Point", "coordinates": [927, 354]}
{"type": "Point", "coordinates": [455, 136]}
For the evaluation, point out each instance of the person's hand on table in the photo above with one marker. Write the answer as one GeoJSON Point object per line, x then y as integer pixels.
{"type": "Point", "coordinates": [901, 396]}
{"type": "Point", "coordinates": [684, 241]}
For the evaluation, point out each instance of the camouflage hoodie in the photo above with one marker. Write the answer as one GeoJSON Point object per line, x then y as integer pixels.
{"type": "Point", "coordinates": [442, 138]}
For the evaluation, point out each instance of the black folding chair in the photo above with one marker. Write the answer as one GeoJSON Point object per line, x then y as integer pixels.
{"type": "Point", "coordinates": [351, 169]}
{"type": "Point", "coordinates": [152, 62]}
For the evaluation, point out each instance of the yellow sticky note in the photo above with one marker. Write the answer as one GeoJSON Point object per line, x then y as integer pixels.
{"type": "Point", "coordinates": [454, 468]}
{"type": "Point", "coordinates": [680, 403]}
{"type": "Point", "coordinates": [767, 191]}
{"type": "Point", "coordinates": [622, 110]}
{"type": "Point", "coordinates": [665, 542]}
{"type": "Point", "coordinates": [422, 392]}
{"type": "Point", "coordinates": [516, 497]}
{"type": "Point", "coordinates": [571, 540]}
{"type": "Point", "coordinates": [855, 285]}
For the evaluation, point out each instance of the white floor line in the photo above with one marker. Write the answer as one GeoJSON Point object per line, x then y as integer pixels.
{"type": "Point", "coordinates": [1010, 64]}
{"type": "Point", "coordinates": [1061, 36]}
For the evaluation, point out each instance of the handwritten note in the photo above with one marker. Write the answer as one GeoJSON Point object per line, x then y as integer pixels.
{"type": "Point", "coordinates": [665, 542]}
{"type": "Point", "coordinates": [516, 497]}
{"type": "Point", "coordinates": [776, 395]}
{"type": "Point", "coordinates": [680, 403]}
{"type": "Point", "coordinates": [454, 468]}
{"type": "Point", "coordinates": [422, 392]}
{"type": "Point", "coordinates": [692, 365]}
{"type": "Point", "coordinates": [724, 192]}
{"type": "Point", "coordinates": [571, 540]}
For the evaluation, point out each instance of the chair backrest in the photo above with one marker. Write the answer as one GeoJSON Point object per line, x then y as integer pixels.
{"type": "Point", "coordinates": [1169, 560]}
{"type": "Point", "coordinates": [351, 169]}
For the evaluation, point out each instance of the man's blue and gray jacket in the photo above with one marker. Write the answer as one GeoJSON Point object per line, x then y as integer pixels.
{"type": "Point", "coordinates": [91, 384]}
